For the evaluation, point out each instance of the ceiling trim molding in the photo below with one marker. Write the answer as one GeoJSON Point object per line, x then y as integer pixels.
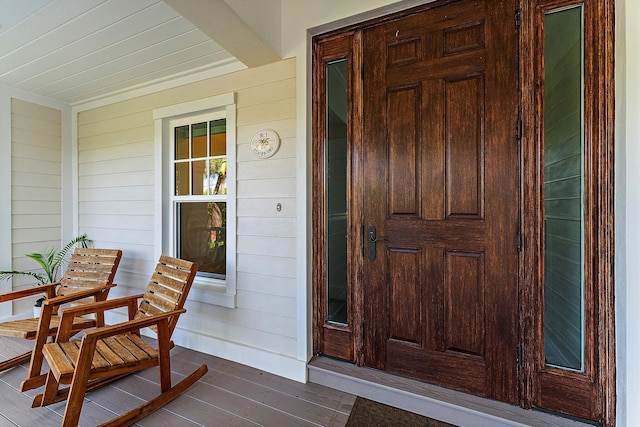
{"type": "Point", "coordinates": [23, 95]}
{"type": "Point", "coordinates": [220, 68]}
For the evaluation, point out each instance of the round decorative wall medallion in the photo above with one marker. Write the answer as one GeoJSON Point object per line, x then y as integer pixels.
{"type": "Point", "coordinates": [265, 143]}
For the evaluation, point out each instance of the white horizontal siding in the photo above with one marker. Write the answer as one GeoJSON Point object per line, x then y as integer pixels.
{"type": "Point", "coordinates": [267, 264]}
{"type": "Point", "coordinates": [39, 206]}
{"type": "Point", "coordinates": [116, 203]}
{"type": "Point", "coordinates": [267, 207]}
{"type": "Point", "coordinates": [266, 187]}
{"type": "Point", "coordinates": [115, 207]}
{"type": "Point", "coordinates": [36, 189]}
{"type": "Point", "coordinates": [268, 227]}
{"type": "Point", "coordinates": [263, 284]}
{"type": "Point", "coordinates": [27, 240]}
{"type": "Point", "coordinates": [106, 167]}
{"type": "Point", "coordinates": [267, 246]}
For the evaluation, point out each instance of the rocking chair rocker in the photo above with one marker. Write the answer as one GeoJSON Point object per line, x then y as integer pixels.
{"type": "Point", "coordinates": [112, 352]}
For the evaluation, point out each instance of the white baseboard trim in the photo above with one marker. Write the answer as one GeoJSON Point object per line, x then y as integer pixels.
{"type": "Point", "coordinates": [277, 364]}
{"type": "Point", "coordinates": [20, 316]}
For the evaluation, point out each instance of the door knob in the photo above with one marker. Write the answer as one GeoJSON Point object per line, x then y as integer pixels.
{"type": "Point", "coordinates": [372, 239]}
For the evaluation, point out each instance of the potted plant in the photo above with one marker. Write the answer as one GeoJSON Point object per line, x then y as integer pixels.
{"type": "Point", "coordinates": [51, 260]}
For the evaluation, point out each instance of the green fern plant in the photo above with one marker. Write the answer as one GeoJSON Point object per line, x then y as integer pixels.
{"type": "Point", "coordinates": [50, 259]}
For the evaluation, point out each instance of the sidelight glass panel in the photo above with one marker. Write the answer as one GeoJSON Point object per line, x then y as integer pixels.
{"type": "Point", "coordinates": [336, 191]}
{"type": "Point", "coordinates": [564, 189]}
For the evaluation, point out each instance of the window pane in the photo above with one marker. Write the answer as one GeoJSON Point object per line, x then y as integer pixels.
{"type": "Point", "coordinates": [182, 142]}
{"type": "Point", "coordinates": [202, 236]}
{"type": "Point", "coordinates": [218, 142]}
{"type": "Point", "coordinates": [200, 178]}
{"type": "Point", "coordinates": [336, 188]}
{"type": "Point", "coordinates": [182, 179]}
{"type": "Point", "coordinates": [217, 176]}
{"type": "Point", "coordinates": [199, 140]}
{"type": "Point", "coordinates": [563, 189]}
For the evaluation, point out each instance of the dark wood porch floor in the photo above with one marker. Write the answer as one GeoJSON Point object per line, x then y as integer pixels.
{"type": "Point", "coordinates": [229, 395]}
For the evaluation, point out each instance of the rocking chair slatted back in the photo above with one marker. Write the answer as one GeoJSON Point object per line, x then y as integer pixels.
{"type": "Point", "coordinates": [89, 268]}
{"type": "Point", "coordinates": [167, 290]}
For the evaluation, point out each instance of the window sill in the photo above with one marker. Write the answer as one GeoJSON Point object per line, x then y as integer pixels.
{"type": "Point", "coordinates": [211, 291]}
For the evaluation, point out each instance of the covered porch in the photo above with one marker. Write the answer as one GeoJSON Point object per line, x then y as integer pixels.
{"type": "Point", "coordinates": [92, 157]}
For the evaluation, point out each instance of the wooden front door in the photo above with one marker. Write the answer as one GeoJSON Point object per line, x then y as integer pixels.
{"type": "Point", "coordinates": [440, 212]}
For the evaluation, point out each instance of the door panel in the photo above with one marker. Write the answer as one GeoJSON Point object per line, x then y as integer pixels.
{"type": "Point", "coordinates": [406, 295]}
{"type": "Point", "coordinates": [440, 174]}
{"type": "Point", "coordinates": [464, 303]}
{"type": "Point", "coordinates": [463, 141]}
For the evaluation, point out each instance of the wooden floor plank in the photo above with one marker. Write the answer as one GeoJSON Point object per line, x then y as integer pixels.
{"type": "Point", "coordinates": [12, 347]}
{"type": "Point", "coordinates": [335, 400]}
{"type": "Point", "coordinates": [200, 413]}
{"type": "Point", "coordinates": [299, 408]}
{"type": "Point", "coordinates": [114, 399]}
{"type": "Point", "coordinates": [164, 418]}
{"type": "Point", "coordinates": [246, 403]}
{"type": "Point", "coordinates": [4, 422]}
{"type": "Point", "coordinates": [16, 409]}
{"type": "Point", "coordinates": [241, 405]}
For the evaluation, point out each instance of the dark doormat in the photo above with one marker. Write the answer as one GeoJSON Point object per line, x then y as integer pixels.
{"type": "Point", "coordinates": [367, 413]}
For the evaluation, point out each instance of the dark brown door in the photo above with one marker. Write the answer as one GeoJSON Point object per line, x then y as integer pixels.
{"type": "Point", "coordinates": [440, 274]}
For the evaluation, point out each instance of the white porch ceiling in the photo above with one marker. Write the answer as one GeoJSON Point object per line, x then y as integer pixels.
{"type": "Point", "coordinates": [78, 51]}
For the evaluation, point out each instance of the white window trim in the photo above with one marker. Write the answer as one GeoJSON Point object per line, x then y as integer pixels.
{"type": "Point", "coordinates": [211, 291]}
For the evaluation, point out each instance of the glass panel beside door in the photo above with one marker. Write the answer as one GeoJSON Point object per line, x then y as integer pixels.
{"type": "Point", "coordinates": [564, 188]}
{"type": "Point", "coordinates": [336, 192]}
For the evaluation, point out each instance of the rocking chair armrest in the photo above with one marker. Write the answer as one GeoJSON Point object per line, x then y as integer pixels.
{"type": "Point", "coordinates": [63, 299]}
{"type": "Point", "coordinates": [131, 325]}
{"type": "Point", "coordinates": [49, 288]}
{"type": "Point", "coordinates": [98, 307]}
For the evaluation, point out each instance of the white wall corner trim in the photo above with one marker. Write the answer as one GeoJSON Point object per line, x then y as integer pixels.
{"type": "Point", "coordinates": [70, 186]}
{"type": "Point", "coordinates": [5, 196]}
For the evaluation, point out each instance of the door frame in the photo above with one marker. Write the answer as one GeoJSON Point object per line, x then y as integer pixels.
{"type": "Point", "coordinates": [600, 237]}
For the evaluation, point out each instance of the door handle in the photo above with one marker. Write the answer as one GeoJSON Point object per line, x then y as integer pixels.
{"type": "Point", "coordinates": [371, 242]}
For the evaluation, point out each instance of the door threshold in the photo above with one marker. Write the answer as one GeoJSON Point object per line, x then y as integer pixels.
{"type": "Point", "coordinates": [454, 407]}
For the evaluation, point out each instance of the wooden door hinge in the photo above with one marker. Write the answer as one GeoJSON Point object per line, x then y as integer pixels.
{"type": "Point", "coordinates": [518, 18]}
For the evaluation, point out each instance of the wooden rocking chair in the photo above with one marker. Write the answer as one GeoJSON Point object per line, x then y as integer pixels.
{"type": "Point", "coordinates": [88, 278]}
{"type": "Point", "coordinates": [112, 352]}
